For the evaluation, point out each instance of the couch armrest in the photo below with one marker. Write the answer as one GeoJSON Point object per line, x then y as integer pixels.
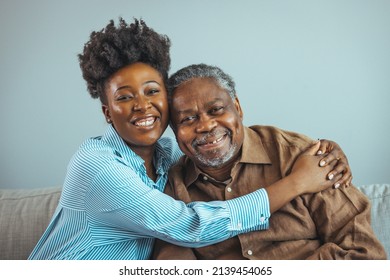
{"type": "Point", "coordinates": [24, 215]}
{"type": "Point", "coordinates": [379, 195]}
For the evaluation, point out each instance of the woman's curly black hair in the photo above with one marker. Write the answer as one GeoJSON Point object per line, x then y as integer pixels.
{"type": "Point", "coordinates": [117, 46]}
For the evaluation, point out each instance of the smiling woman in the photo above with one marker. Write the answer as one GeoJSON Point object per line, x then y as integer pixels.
{"type": "Point", "coordinates": [137, 107]}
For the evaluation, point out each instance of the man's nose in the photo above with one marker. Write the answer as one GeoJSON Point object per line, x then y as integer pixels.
{"type": "Point", "coordinates": [205, 124]}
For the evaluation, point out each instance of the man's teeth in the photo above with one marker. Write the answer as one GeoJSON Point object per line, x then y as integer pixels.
{"type": "Point", "coordinates": [145, 122]}
{"type": "Point", "coordinates": [216, 141]}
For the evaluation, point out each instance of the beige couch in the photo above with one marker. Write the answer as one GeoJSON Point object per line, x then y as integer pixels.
{"type": "Point", "coordinates": [24, 215]}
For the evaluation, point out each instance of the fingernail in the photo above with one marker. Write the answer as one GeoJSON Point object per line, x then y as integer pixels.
{"type": "Point", "coordinates": [322, 163]}
{"type": "Point", "coordinates": [330, 176]}
{"type": "Point", "coordinates": [319, 152]}
{"type": "Point", "coordinates": [337, 185]}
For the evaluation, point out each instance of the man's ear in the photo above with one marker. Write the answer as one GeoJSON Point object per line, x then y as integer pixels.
{"type": "Point", "coordinates": [238, 107]}
{"type": "Point", "coordinates": [106, 112]}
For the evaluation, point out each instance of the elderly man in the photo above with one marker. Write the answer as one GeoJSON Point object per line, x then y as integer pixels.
{"type": "Point", "coordinates": [224, 159]}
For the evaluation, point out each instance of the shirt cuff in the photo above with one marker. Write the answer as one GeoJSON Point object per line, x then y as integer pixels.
{"type": "Point", "coordinates": [249, 212]}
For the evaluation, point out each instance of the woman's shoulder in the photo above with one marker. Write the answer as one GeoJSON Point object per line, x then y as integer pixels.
{"type": "Point", "coordinates": [94, 145]}
{"type": "Point", "coordinates": [93, 152]}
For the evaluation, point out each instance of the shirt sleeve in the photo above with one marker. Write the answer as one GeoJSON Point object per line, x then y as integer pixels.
{"type": "Point", "coordinates": [342, 219]}
{"type": "Point", "coordinates": [120, 199]}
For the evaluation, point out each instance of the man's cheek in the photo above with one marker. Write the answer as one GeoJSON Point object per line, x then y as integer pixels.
{"type": "Point", "coordinates": [182, 140]}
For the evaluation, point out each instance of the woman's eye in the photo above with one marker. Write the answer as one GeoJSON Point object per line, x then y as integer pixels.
{"type": "Point", "coordinates": [123, 97]}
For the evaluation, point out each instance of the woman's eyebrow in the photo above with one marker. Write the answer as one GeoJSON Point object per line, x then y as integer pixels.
{"type": "Point", "coordinates": [123, 87]}
{"type": "Point", "coordinates": [129, 87]}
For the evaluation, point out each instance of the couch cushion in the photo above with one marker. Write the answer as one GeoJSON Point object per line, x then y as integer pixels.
{"type": "Point", "coordinates": [24, 215]}
{"type": "Point", "coordinates": [379, 194]}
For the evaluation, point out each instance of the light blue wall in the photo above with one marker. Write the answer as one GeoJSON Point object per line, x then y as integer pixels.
{"type": "Point", "coordinates": [316, 67]}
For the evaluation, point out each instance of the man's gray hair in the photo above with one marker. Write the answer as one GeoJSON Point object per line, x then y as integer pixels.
{"type": "Point", "coordinates": [201, 71]}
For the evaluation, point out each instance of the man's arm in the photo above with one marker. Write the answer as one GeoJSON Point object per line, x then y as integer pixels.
{"type": "Point", "coordinates": [342, 219]}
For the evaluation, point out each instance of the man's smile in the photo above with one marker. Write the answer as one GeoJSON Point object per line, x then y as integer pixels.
{"type": "Point", "coordinates": [211, 143]}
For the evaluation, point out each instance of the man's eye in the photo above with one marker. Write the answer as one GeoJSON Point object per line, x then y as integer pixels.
{"type": "Point", "coordinates": [187, 120]}
{"type": "Point", "coordinates": [153, 91]}
{"type": "Point", "coordinates": [217, 110]}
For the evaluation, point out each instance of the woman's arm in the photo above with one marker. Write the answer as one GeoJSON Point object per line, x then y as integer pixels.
{"type": "Point", "coordinates": [121, 199]}
{"type": "Point", "coordinates": [307, 176]}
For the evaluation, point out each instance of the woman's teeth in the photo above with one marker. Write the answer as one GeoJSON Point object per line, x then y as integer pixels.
{"type": "Point", "coordinates": [145, 122]}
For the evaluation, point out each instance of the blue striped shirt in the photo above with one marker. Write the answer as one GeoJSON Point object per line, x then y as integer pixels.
{"type": "Point", "coordinates": [110, 209]}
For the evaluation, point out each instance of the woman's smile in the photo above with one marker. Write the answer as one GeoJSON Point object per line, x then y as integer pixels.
{"type": "Point", "coordinates": [147, 122]}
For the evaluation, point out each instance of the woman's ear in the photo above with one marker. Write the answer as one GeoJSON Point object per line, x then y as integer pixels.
{"type": "Point", "coordinates": [106, 112]}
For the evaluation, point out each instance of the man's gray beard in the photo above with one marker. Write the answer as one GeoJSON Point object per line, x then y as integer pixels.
{"type": "Point", "coordinates": [217, 161]}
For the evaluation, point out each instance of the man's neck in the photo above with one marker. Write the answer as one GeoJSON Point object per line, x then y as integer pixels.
{"type": "Point", "coordinates": [221, 174]}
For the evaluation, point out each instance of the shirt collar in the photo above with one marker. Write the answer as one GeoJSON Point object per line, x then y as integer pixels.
{"type": "Point", "coordinates": [160, 156]}
{"type": "Point", "coordinates": [253, 152]}
{"type": "Point", "coordinates": [121, 149]}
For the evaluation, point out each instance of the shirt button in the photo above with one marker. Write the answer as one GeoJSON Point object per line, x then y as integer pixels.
{"type": "Point", "coordinates": [239, 225]}
{"type": "Point", "coordinates": [197, 240]}
{"type": "Point", "coordinates": [205, 178]}
{"type": "Point", "coordinates": [250, 252]}
{"type": "Point", "coordinates": [262, 219]}
{"type": "Point", "coordinates": [229, 189]}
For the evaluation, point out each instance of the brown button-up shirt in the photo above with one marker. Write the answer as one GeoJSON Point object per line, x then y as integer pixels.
{"type": "Point", "coordinates": [332, 224]}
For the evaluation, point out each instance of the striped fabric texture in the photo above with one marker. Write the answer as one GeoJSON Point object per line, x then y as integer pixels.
{"type": "Point", "coordinates": [111, 209]}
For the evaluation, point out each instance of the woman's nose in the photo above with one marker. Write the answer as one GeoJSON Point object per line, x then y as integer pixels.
{"type": "Point", "coordinates": [142, 103]}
